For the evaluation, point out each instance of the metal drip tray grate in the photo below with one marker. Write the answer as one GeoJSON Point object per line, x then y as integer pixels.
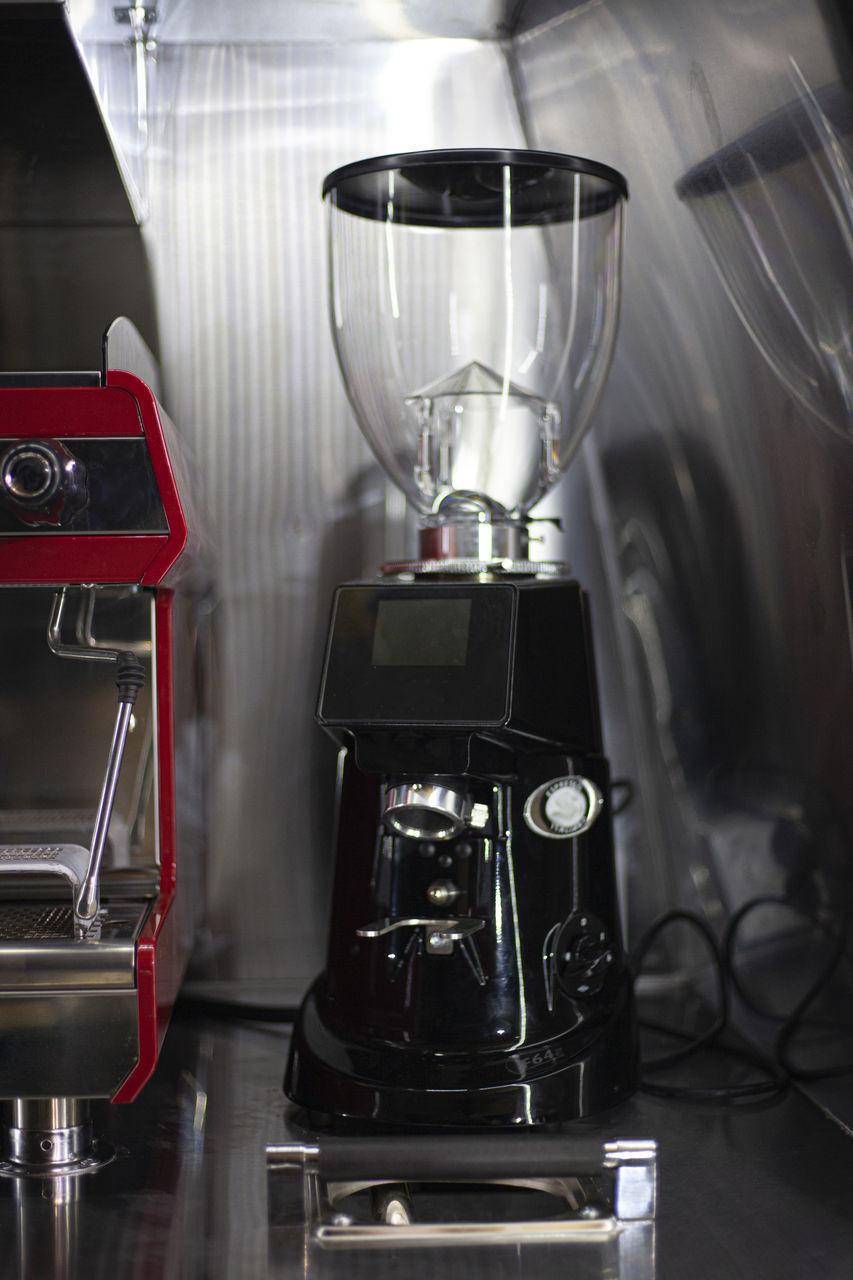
{"type": "Point", "coordinates": [35, 922]}
{"type": "Point", "coordinates": [40, 950]}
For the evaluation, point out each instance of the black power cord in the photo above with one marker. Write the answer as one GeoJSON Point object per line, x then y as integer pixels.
{"type": "Point", "coordinates": [794, 1022]}
{"type": "Point", "coordinates": [777, 1066]}
{"type": "Point", "coordinates": [774, 1076]}
{"type": "Point", "coordinates": [720, 1021]}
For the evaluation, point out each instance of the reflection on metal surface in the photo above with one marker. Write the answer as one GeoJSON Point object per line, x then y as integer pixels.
{"type": "Point", "coordinates": [238, 248]}
{"type": "Point", "coordinates": [187, 1194]}
{"type": "Point", "coordinates": [716, 511]}
{"type": "Point", "coordinates": [776, 210]}
{"type": "Point", "coordinates": [67, 1042]}
{"type": "Point", "coordinates": [47, 1219]}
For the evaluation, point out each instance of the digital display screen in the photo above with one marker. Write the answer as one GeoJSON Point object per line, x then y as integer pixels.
{"type": "Point", "coordinates": [421, 633]}
{"type": "Point", "coordinates": [419, 654]}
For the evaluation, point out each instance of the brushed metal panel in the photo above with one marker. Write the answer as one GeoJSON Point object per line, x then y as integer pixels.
{"type": "Point", "coordinates": [719, 502]}
{"type": "Point", "coordinates": [274, 22]}
{"type": "Point", "coordinates": [61, 288]}
{"type": "Point", "coordinates": [241, 141]}
{"type": "Point", "coordinates": [71, 256]}
{"type": "Point", "coordinates": [69, 1044]}
{"type": "Point", "coordinates": [189, 1195]}
{"type": "Point", "coordinates": [56, 164]}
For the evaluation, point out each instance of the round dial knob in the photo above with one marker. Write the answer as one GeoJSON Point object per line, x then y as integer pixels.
{"type": "Point", "coordinates": [31, 474]}
{"type": "Point", "coordinates": [563, 807]}
{"type": "Point", "coordinates": [582, 956]}
{"type": "Point", "coordinates": [42, 482]}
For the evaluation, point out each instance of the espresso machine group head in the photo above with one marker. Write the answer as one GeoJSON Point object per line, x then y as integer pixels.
{"type": "Point", "coordinates": [102, 604]}
{"type": "Point", "coordinates": [476, 973]}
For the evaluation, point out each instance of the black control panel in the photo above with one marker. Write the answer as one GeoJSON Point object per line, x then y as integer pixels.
{"type": "Point", "coordinates": [414, 669]}
{"type": "Point", "coordinates": [425, 655]}
{"type": "Point", "coordinates": [79, 485]}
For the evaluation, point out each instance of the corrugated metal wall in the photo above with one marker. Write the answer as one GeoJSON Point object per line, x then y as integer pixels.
{"type": "Point", "coordinates": [710, 512]}
{"type": "Point", "coordinates": [721, 461]}
{"type": "Point", "coordinates": [242, 138]}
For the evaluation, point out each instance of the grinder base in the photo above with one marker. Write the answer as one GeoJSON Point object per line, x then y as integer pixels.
{"type": "Point", "coordinates": [568, 1078]}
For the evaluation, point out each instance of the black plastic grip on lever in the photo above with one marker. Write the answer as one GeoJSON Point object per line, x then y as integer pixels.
{"type": "Point", "coordinates": [472, 1158]}
{"type": "Point", "coordinates": [130, 677]}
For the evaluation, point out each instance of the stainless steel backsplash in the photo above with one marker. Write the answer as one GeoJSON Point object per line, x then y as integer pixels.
{"type": "Point", "coordinates": [242, 140]}
{"type": "Point", "coordinates": [719, 469]}
{"type": "Point", "coordinates": [709, 513]}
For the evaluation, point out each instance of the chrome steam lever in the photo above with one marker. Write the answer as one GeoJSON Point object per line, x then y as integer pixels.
{"type": "Point", "coordinates": [130, 678]}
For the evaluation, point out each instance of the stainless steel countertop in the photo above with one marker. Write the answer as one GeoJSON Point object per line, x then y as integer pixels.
{"type": "Point", "coordinates": [759, 1192]}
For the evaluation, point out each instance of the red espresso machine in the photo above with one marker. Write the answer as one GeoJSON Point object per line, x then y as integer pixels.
{"type": "Point", "coordinates": [102, 747]}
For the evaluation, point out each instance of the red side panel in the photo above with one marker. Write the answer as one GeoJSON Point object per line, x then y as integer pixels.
{"type": "Point", "coordinates": [161, 953]}
{"type": "Point", "coordinates": [69, 411]}
{"type": "Point", "coordinates": [53, 558]}
{"type": "Point", "coordinates": [167, 483]}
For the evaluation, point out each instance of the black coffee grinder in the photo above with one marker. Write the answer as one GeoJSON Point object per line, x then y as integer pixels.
{"type": "Point", "coordinates": [476, 974]}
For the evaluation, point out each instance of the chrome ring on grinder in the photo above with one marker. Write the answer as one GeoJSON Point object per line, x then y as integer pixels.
{"type": "Point", "coordinates": [426, 810]}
